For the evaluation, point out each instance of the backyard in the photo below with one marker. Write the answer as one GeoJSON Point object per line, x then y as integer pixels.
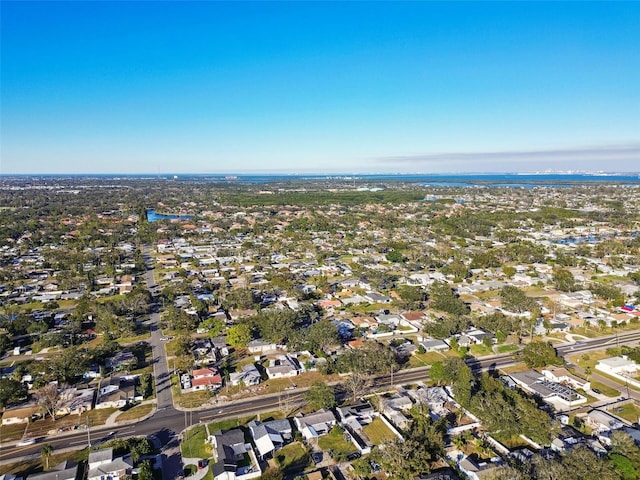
{"type": "Point", "coordinates": [378, 432]}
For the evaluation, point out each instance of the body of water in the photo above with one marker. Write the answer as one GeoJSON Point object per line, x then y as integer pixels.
{"type": "Point", "coordinates": [152, 216]}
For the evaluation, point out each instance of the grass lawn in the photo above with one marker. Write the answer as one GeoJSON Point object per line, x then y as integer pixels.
{"type": "Point", "coordinates": [628, 411]}
{"type": "Point", "coordinates": [43, 427]}
{"type": "Point", "coordinates": [605, 389]}
{"type": "Point", "coordinates": [193, 444]}
{"type": "Point", "coordinates": [428, 358]}
{"type": "Point", "coordinates": [11, 432]}
{"type": "Point", "coordinates": [231, 423]}
{"type": "Point", "coordinates": [135, 412]}
{"type": "Point", "coordinates": [378, 432]}
{"type": "Point", "coordinates": [135, 338]}
{"type": "Point", "coordinates": [335, 441]}
{"type": "Point", "coordinates": [588, 359]}
{"type": "Point", "coordinates": [507, 348]}
{"type": "Point", "coordinates": [480, 350]}
{"type": "Point", "coordinates": [293, 456]}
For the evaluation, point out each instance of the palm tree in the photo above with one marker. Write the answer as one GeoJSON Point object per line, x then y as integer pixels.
{"type": "Point", "coordinates": [45, 453]}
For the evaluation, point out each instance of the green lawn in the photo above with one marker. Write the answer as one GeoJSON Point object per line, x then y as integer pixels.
{"type": "Point", "coordinates": [480, 350]}
{"type": "Point", "coordinates": [293, 456]}
{"type": "Point", "coordinates": [605, 389]}
{"type": "Point", "coordinates": [628, 411]}
{"type": "Point", "coordinates": [335, 441]}
{"type": "Point", "coordinates": [230, 423]}
{"type": "Point", "coordinates": [193, 444]}
{"type": "Point", "coordinates": [507, 348]}
{"type": "Point", "coordinates": [378, 432]}
{"type": "Point", "coordinates": [135, 412]}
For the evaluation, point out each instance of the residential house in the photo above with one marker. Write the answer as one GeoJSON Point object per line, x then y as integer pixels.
{"type": "Point", "coordinates": [231, 452]}
{"type": "Point", "coordinates": [248, 376]}
{"type": "Point", "coordinates": [555, 394]}
{"type": "Point", "coordinates": [124, 360]}
{"type": "Point", "coordinates": [475, 469]}
{"type": "Point", "coordinates": [282, 367]}
{"type": "Point", "coordinates": [206, 378]}
{"type": "Point", "coordinates": [21, 414]}
{"type": "Point", "coordinates": [66, 470]}
{"type": "Point", "coordinates": [270, 436]}
{"type": "Point", "coordinates": [434, 345]}
{"type": "Point", "coordinates": [562, 375]}
{"type": "Point", "coordinates": [76, 401]}
{"type": "Point", "coordinates": [103, 465]}
{"type": "Point", "coordinates": [261, 346]}
{"type": "Point", "coordinates": [375, 297]}
{"type": "Point", "coordinates": [116, 392]}
{"type": "Point", "coordinates": [446, 473]}
{"type": "Point", "coordinates": [315, 424]}
{"type": "Point", "coordinates": [601, 421]}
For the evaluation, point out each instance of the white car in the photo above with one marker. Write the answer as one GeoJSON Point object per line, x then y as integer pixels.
{"type": "Point", "coordinates": [26, 441]}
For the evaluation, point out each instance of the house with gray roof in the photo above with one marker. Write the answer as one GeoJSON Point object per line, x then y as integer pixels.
{"type": "Point", "coordinates": [270, 436]}
{"type": "Point", "coordinates": [66, 470]}
{"type": "Point", "coordinates": [235, 459]}
{"type": "Point", "coordinates": [103, 465]}
{"type": "Point", "coordinates": [315, 424]}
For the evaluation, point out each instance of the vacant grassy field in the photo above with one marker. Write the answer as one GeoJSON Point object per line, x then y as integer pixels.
{"type": "Point", "coordinates": [44, 426]}
{"type": "Point", "coordinates": [293, 457]}
{"type": "Point", "coordinates": [135, 412]}
{"type": "Point", "coordinates": [628, 411]}
{"type": "Point", "coordinates": [378, 432]}
{"type": "Point", "coordinates": [605, 389]}
{"type": "Point", "coordinates": [193, 444]}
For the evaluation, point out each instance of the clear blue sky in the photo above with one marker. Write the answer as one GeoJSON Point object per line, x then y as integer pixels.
{"type": "Point", "coordinates": [198, 87]}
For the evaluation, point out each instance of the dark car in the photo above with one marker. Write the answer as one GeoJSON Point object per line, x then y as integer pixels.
{"type": "Point", "coordinates": [595, 390]}
{"type": "Point", "coordinates": [353, 456]}
{"type": "Point", "coordinates": [317, 457]}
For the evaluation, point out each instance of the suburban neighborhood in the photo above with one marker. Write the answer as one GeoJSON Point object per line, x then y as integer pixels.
{"type": "Point", "coordinates": [329, 328]}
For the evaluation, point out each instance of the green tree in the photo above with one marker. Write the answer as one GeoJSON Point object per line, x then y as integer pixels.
{"type": "Point", "coordinates": [515, 300]}
{"type": "Point", "coordinates": [320, 395]}
{"type": "Point", "coordinates": [443, 298]}
{"type": "Point", "coordinates": [395, 256]}
{"type": "Point", "coordinates": [540, 354]}
{"type": "Point", "coordinates": [145, 471]}
{"type": "Point", "coordinates": [564, 280]}
{"type": "Point", "coordinates": [239, 335]}
{"type": "Point", "coordinates": [45, 454]}
{"type": "Point", "coordinates": [146, 385]}
{"type": "Point", "coordinates": [11, 391]}
{"type": "Point", "coordinates": [213, 326]}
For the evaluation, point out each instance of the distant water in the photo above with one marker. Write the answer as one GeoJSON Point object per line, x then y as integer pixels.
{"type": "Point", "coordinates": [152, 216]}
{"type": "Point", "coordinates": [513, 180]}
{"type": "Point", "coordinates": [441, 180]}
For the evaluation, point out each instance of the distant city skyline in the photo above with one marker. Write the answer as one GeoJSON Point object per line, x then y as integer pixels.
{"type": "Point", "coordinates": [319, 88]}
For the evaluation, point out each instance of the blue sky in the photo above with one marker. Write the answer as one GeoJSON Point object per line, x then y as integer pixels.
{"type": "Point", "coordinates": [329, 87]}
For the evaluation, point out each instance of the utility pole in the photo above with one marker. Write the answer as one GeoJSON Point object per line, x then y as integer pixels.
{"type": "Point", "coordinates": [88, 432]}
